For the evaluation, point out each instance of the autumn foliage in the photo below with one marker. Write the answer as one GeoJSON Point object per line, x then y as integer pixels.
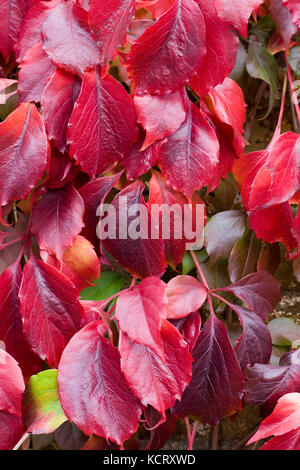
{"type": "Point", "coordinates": [121, 337]}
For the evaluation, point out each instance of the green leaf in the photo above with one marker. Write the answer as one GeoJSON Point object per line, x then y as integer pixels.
{"type": "Point", "coordinates": [42, 412]}
{"type": "Point", "coordinates": [109, 283]}
{"type": "Point", "coordinates": [261, 64]}
{"type": "Point", "coordinates": [222, 231]}
{"type": "Point", "coordinates": [240, 63]}
{"type": "Point", "coordinates": [224, 195]}
{"type": "Point", "coordinates": [217, 276]}
{"type": "Point", "coordinates": [284, 331]}
{"type": "Point", "coordinates": [263, 29]}
{"type": "Point", "coordinates": [188, 263]}
{"type": "Point", "coordinates": [294, 60]}
{"type": "Point", "coordinates": [269, 258]}
{"type": "Point", "coordinates": [244, 257]}
{"type": "Point", "coordinates": [9, 99]}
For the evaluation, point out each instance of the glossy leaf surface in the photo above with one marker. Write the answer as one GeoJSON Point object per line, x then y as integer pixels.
{"type": "Point", "coordinates": [96, 406]}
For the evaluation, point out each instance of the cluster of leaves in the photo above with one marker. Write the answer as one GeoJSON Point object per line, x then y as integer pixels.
{"type": "Point", "coordinates": [104, 99]}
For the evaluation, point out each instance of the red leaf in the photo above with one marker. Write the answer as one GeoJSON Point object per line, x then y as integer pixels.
{"type": "Point", "coordinates": [153, 381]}
{"type": "Point", "coordinates": [111, 128]}
{"type": "Point", "coordinates": [12, 14]}
{"type": "Point", "coordinates": [173, 218]}
{"type": "Point", "coordinates": [161, 434]}
{"type": "Point", "coordinates": [23, 152]}
{"type": "Point", "coordinates": [227, 156]}
{"type": "Point", "coordinates": [11, 325]}
{"type": "Point", "coordinates": [109, 23]}
{"type": "Point", "coordinates": [237, 12]}
{"type": "Point", "coordinates": [93, 194]}
{"type": "Point", "coordinates": [143, 256]}
{"type": "Point", "coordinates": [283, 21]}
{"type": "Point", "coordinates": [83, 261]}
{"type": "Point", "coordinates": [185, 295]}
{"type": "Point", "coordinates": [137, 28]}
{"type": "Point", "coordinates": [50, 309]}
{"type": "Point", "coordinates": [11, 242]}
{"type": "Point", "coordinates": [140, 312]}
{"type": "Point", "coordinates": [67, 40]}
{"type": "Point", "coordinates": [266, 384]}
{"type": "Point", "coordinates": [11, 384]}
{"type": "Point", "coordinates": [61, 171]}
{"type": "Point", "coordinates": [30, 32]}
{"type": "Point", "coordinates": [36, 68]}
{"type": "Point", "coordinates": [288, 441]}
{"type": "Point", "coordinates": [293, 6]}
{"type": "Point", "coordinates": [285, 418]}
{"type": "Point", "coordinates": [161, 115]}
{"type": "Point", "coordinates": [156, 7]}
{"type": "Point", "coordinates": [255, 343]}
{"type": "Point", "coordinates": [79, 263]}
{"type": "Point", "coordinates": [58, 100]}
{"type": "Point", "coordinates": [189, 327]}
{"type": "Point", "coordinates": [170, 52]}
{"type": "Point", "coordinates": [271, 176]}
{"type": "Point", "coordinates": [92, 311]}
{"type": "Point", "coordinates": [138, 162]}
{"type": "Point", "coordinates": [215, 369]}
{"type": "Point", "coordinates": [274, 224]}
{"type": "Point", "coordinates": [11, 388]}
{"type": "Point", "coordinates": [260, 291]}
{"type": "Point", "coordinates": [92, 389]}
{"type": "Point", "coordinates": [190, 156]}
{"type": "Point", "coordinates": [228, 105]}
{"type": "Point", "coordinates": [11, 428]}
{"type": "Point", "coordinates": [221, 44]}
{"type": "Point", "coordinates": [57, 218]}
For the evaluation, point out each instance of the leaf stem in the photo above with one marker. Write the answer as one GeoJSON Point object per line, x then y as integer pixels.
{"type": "Point", "coordinates": [188, 432]}
{"type": "Point", "coordinates": [199, 269]}
{"type": "Point", "coordinates": [194, 434]}
{"type": "Point", "coordinates": [284, 88]}
{"type": "Point", "coordinates": [190, 435]}
{"type": "Point", "coordinates": [21, 441]}
{"type": "Point", "coordinates": [11, 242]}
{"type": "Point", "coordinates": [204, 281]}
{"type": "Point", "coordinates": [294, 95]}
{"type": "Point", "coordinates": [215, 437]}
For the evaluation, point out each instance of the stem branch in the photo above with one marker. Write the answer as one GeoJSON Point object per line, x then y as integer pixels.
{"type": "Point", "coordinates": [215, 437]}
{"type": "Point", "coordinates": [294, 95]}
{"type": "Point", "coordinates": [21, 441]}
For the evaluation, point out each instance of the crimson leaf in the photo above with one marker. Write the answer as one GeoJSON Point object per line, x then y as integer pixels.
{"type": "Point", "coordinates": [92, 388]}
{"type": "Point", "coordinates": [109, 22]}
{"type": "Point", "coordinates": [23, 152]}
{"type": "Point", "coordinates": [143, 256]}
{"type": "Point", "coordinates": [59, 96]}
{"type": "Point", "coordinates": [190, 155]}
{"type": "Point", "coordinates": [170, 52]}
{"type": "Point", "coordinates": [57, 218]}
{"type": "Point", "coordinates": [50, 308]}
{"type": "Point", "coordinates": [67, 39]}
{"type": "Point", "coordinates": [153, 381]}
{"type": "Point", "coordinates": [140, 312]}
{"type": "Point", "coordinates": [215, 368]}
{"type": "Point", "coordinates": [111, 128]}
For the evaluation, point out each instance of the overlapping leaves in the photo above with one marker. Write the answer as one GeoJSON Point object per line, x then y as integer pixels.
{"type": "Point", "coordinates": [119, 94]}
